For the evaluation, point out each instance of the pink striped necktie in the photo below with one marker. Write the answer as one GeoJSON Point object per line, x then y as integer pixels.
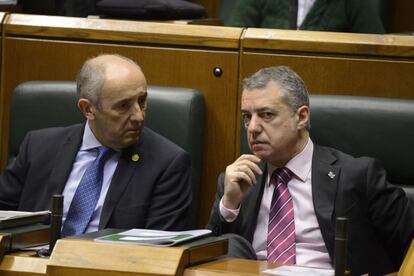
{"type": "Point", "coordinates": [281, 239]}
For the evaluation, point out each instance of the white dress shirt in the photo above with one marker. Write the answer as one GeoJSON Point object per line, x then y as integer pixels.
{"type": "Point", "coordinates": [304, 7]}
{"type": "Point", "coordinates": [310, 247]}
{"type": "Point", "coordinates": [86, 155]}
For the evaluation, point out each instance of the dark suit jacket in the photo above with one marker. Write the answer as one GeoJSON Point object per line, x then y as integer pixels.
{"type": "Point", "coordinates": [78, 8]}
{"type": "Point", "coordinates": [381, 216]}
{"type": "Point", "coordinates": [154, 192]}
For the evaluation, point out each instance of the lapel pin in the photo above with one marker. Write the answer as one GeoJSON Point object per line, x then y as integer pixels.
{"type": "Point", "coordinates": [331, 175]}
{"type": "Point", "coordinates": [135, 157]}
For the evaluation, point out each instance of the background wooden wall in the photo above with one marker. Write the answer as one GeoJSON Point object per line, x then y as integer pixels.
{"type": "Point", "coordinates": [402, 16]}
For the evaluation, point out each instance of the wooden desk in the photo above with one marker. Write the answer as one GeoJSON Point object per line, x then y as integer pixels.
{"type": "Point", "coordinates": [23, 263]}
{"type": "Point", "coordinates": [81, 256]}
{"type": "Point", "coordinates": [229, 267]}
{"type": "Point", "coordinates": [27, 264]}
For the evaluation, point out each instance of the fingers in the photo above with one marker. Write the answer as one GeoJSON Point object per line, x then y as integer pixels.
{"type": "Point", "coordinates": [246, 164]}
{"type": "Point", "coordinates": [239, 177]}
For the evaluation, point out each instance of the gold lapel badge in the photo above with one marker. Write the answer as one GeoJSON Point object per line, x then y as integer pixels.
{"type": "Point", "coordinates": [135, 157]}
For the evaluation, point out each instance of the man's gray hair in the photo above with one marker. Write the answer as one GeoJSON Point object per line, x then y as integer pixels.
{"type": "Point", "coordinates": [293, 88]}
{"type": "Point", "coordinates": [91, 78]}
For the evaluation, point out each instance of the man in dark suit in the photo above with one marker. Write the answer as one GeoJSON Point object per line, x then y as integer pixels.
{"type": "Point", "coordinates": [284, 198]}
{"type": "Point", "coordinates": [145, 180]}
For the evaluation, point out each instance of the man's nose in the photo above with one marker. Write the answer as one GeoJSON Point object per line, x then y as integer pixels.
{"type": "Point", "coordinates": [137, 113]}
{"type": "Point", "coordinates": [254, 124]}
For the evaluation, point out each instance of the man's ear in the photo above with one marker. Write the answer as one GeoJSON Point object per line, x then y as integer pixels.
{"type": "Point", "coordinates": [87, 108]}
{"type": "Point", "coordinates": [302, 117]}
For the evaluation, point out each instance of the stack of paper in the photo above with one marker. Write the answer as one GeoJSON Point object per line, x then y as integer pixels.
{"type": "Point", "coordinates": [154, 237]}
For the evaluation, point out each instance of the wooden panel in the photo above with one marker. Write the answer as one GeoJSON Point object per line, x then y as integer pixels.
{"type": "Point", "coordinates": [23, 263]}
{"type": "Point", "coordinates": [169, 65]}
{"type": "Point", "coordinates": [337, 63]}
{"type": "Point", "coordinates": [401, 17]}
{"type": "Point", "coordinates": [407, 267]}
{"type": "Point", "coordinates": [87, 257]}
{"type": "Point", "coordinates": [329, 42]}
{"type": "Point", "coordinates": [10, 8]}
{"type": "Point", "coordinates": [342, 75]}
{"type": "Point", "coordinates": [121, 30]}
{"type": "Point", "coordinates": [230, 267]}
{"type": "Point", "coordinates": [2, 18]}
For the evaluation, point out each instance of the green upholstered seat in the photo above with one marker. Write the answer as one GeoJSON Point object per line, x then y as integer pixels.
{"type": "Point", "coordinates": [175, 113]}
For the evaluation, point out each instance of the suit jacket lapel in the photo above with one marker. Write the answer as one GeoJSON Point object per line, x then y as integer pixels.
{"type": "Point", "coordinates": [325, 177]}
{"type": "Point", "coordinates": [122, 176]}
{"type": "Point", "coordinates": [65, 159]}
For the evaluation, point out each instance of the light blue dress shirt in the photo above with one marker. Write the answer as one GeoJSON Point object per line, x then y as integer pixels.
{"type": "Point", "coordinates": [86, 155]}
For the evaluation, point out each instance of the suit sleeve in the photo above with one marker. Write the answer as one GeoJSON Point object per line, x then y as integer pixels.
{"type": "Point", "coordinates": [391, 213]}
{"type": "Point", "coordinates": [217, 223]}
{"type": "Point", "coordinates": [13, 178]}
{"type": "Point", "coordinates": [172, 196]}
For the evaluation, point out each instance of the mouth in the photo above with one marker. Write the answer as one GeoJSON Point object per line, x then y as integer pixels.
{"type": "Point", "coordinates": [253, 143]}
{"type": "Point", "coordinates": [257, 146]}
{"type": "Point", "coordinates": [134, 130]}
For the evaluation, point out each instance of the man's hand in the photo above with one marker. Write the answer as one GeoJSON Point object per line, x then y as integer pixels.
{"type": "Point", "coordinates": [239, 178]}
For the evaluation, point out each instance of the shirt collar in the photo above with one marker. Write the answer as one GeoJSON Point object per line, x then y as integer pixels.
{"type": "Point", "coordinates": [89, 140]}
{"type": "Point", "coordinates": [300, 164]}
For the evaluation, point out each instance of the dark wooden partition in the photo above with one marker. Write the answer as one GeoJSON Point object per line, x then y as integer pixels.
{"type": "Point", "coordinates": [53, 48]}
{"type": "Point", "coordinates": [2, 17]}
{"type": "Point", "coordinates": [339, 63]}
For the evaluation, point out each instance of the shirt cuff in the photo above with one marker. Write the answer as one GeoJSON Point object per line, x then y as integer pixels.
{"type": "Point", "coordinates": [229, 215]}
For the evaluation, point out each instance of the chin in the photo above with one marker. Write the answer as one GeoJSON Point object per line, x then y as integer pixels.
{"type": "Point", "coordinates": [261, 154]}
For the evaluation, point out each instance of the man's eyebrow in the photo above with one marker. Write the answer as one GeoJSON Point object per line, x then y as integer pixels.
{"type": "Point", "coordinates": [262, 109]}
{"type": "Point", "coordinates": [266, 109]}
{"type": "Point", "coordinates": [145, 94]}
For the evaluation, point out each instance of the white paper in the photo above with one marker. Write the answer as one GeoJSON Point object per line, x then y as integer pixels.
{"type": "Point", "coordinates": [153, 237]}
{"type": "Point", "coordinates": [35, 248]}
{"type": "Point", "coordinates": [6, 215]}
{"type": "Point", "coordinates": [290, 270]}
{"type": "Point", "coordinates": [8, 2]}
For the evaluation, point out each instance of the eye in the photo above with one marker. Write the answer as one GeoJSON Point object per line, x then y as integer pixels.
{"type": "Point", "coordinates": [142, 101]}
{"type": "Point", "coordinates": [124, 105]}
{"type": "Point", "coordinates": [246, 119]}
{"type": "Point", "coordinates": [267, 116]}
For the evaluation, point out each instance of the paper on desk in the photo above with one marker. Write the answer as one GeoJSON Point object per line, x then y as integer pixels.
{"type": "Point", "coordinates": [154, 237]}
{"type": "Point", "coordinates": [35, 248]}
{"type": "Point", "coordinates": [8, 2]}
{"type": "Point", "coordinates": [289, 270]}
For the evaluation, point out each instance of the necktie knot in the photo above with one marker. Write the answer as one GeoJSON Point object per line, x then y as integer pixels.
{"type": "Point", "coordinates": [281, 175]}
{"type": "Point", "coordinates": [104, 153]}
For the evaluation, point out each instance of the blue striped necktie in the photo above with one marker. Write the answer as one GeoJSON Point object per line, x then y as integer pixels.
{"type": "Point", "coordinates": [86, 196]}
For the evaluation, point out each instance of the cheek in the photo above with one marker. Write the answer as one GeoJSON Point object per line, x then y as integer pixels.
{"type": "Point", "coordinates": [119, 122]}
